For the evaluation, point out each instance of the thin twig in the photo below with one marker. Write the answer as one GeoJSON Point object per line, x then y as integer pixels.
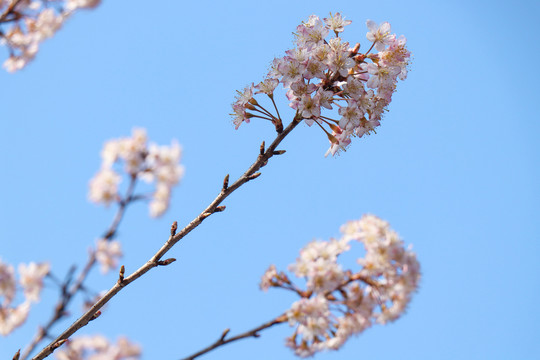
{"type": "Point", "coordinates": [251, 333]}
{"type": "Point", "coordinates": [9, 10]}
{"type": "Point", "coordinates": [68, 290]}
{"type": "Point", "coordinates": [173, 239]}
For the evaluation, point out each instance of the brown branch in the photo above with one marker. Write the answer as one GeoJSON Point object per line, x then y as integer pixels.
{"type": "Point", "coordinates": [9, 11]}
{"type": "Point", "coordinates": [251, 333]}
{"type": "Point", "coordinates": [173, 239]}
{"type": "Point", "coordinates": [67, 295]}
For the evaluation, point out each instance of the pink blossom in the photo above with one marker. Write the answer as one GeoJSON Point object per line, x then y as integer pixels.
{"type": "Point", "coordinates": [351, 115]}
{"type": "Point", "coordinates": [311, 33]}
{"type": "Point", "coordinates": [267, 86]}
{"type": "Point", "coordinates": [107, 254]}
{"type": "Point", "coordinates": [31, 279]}
{"type": "Point", "coordinates": [7, 283]}
{"type": "Point", "coordinates": [338, 75]}
{"type": "Point", "coordinates": [339, 303]}
{"type": "Point", "coordinates": [380, 35]}
{"type": "Point", "coordinates": [80, 4]}
{"type": "Point", "coordinates": [269, 278]}
{"type": "Point", "coordinates": [13, 317]}
{"type": "Point", "coordinates": [309, 107]}
{"type": "Point", "coordinates": [97, 347]}
{"type": "Point", "coordinates": [104, 187]}
{"type": "Point", "coordinates": [152, 163]}
{"type": "Point", "coordinates": [336, 22]}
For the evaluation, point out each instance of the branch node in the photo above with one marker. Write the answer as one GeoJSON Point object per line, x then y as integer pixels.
{"type": "Point", "coordinates": [254, 176]}
{"type": "Point", "coordinates": [224, 334]}
{"type": "Point", "coordinates": [95, 316]}
{"type": "Point", "coordinates": [121, 274]}
{"type": "Point", "coordinates": [279, 126]}
{"type": "Point", "coordinates": [57, 344]}
{"type": "Point", "coordinates": [174, 227]}
{"type": "Point", "coordinates": [256, 335]}
{"type": "Point", "coordinates": [225, 183]}
{"type": "Point", "coordinates": [279, 152]}
{"type": "Point", "coordinates": [220, 208]}
{"type": "Point", "coordinates": [166, 262]}
{"type": "Point", "coordinates": [17, 355]}
{"type": "Point", "coordinates": [205, 215]}
{"type": "Point", "coordinates": [262, 148]}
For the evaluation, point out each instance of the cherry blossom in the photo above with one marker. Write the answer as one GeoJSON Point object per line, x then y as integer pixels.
{"type": "Point", "coordinates": [380, 35]}
{"type": "Point", "coordinates": [28, 23]}
{"type": "Point", "coordinates": [319, 73]}
{"type": "Point", "coordinates": [7, 283]}
{"type": "Point", "coordinates": [338, 302]}
{"type": "Point", "coordinates": [80, 4]}
{"type": "Point", "coordinates": [107, 254]}
{"type": "Point", "coordinates": [13, 317]}
{"type": "Point", "coordinates": [97, 347]}
{"type": "Point", "coordinates": [336, 22]}
{"type": "Point", "coordinates": [149, 162]}
{"type": "Point", "coordinates": [104, 187]}
{"type": "Point", "coordinates": [31, 278]}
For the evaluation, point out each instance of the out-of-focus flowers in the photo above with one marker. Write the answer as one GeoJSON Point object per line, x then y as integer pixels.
{"type": "Point", "coordinates": [150, 163]}
{"type": "Point", "coordinates": [25, 24]}
{"type": "Point", "coordinates": [80, 4]}
{"type": "Point", "coordinates": [13, 317]}
{"type": "Point", "coordinates": [97, 347]}
{"type": "Point", "coordinates": [107, 254]}
{"type": "Point", "coordinates": [322, 73]}
{"type": "Point", "coordinates": [7, 283]}
{"type": "Point", "coordinates": [338, 303]}
{"type": "Point", "coordinates": [31, 279]}
{"type": "Point", "coordinates": [104, 187]}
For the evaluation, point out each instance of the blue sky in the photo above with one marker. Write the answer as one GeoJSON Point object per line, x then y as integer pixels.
{"type": "Point", "coordinates": [454, 168]}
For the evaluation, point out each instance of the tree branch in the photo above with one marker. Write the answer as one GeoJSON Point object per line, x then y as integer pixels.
{"type": "Point", "coordinates": [9, 10]}
{"type": "Point", "coordinates": [67, 295]}
{"type": "Point", "coordinates": [250, 174]}
{"type": "Point", "coordinates": [251, 333]}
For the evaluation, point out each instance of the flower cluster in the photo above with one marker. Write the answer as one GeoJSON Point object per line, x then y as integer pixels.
{"type": "Point", "coordinates": [31, 279]}
{"type": "Point", "coordinates": [147, 162]}
{"type": "Point", "coordinates": [31, 23]}
{"type": "Point", "coordinates": [338, 303]}
{"type": "Point", "coordinates": [98, 347]}
{"type": "Point", "coordinates": [107, 254]}
{"type": "Point", "coordinates": [329, 74]}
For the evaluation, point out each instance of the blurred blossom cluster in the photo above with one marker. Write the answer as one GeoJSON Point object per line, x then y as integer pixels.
{"type": "Point", "coordinates": [31, 279]}
{"type": "Point", "coordinates": [323, 73]}
{"type": "Point", "coordinates": [24, 24]}
{"type": "Point", "coordinates": [98, 348]}
{"type": "Point", "coordinates": [150, 163]}
{"type": "Point", "coordinates": [107, 254]}
{"type": "Point", "coordinates": [337, 302]}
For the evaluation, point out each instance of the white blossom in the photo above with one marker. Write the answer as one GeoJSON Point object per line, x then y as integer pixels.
{"type": "Point", "coordinates": [31, 279]}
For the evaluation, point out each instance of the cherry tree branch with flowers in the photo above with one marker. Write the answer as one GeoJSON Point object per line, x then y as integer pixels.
{"type": "Point", "coordinates": [321, 74]}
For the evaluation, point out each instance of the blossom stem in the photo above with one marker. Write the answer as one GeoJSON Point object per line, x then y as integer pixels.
{"type": "Point", "coordinates": [372, 45]}
{"type": "Point", "coordinates": [261, 117]}
{"type": "Point", "coordinates": [275, 107]}
{"type": "Point", "coordinates": [264, 111]}
{"type": "Point", "coordinates": [327, 119]}
{"type": "Point", "coordinates": [323, 129]}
